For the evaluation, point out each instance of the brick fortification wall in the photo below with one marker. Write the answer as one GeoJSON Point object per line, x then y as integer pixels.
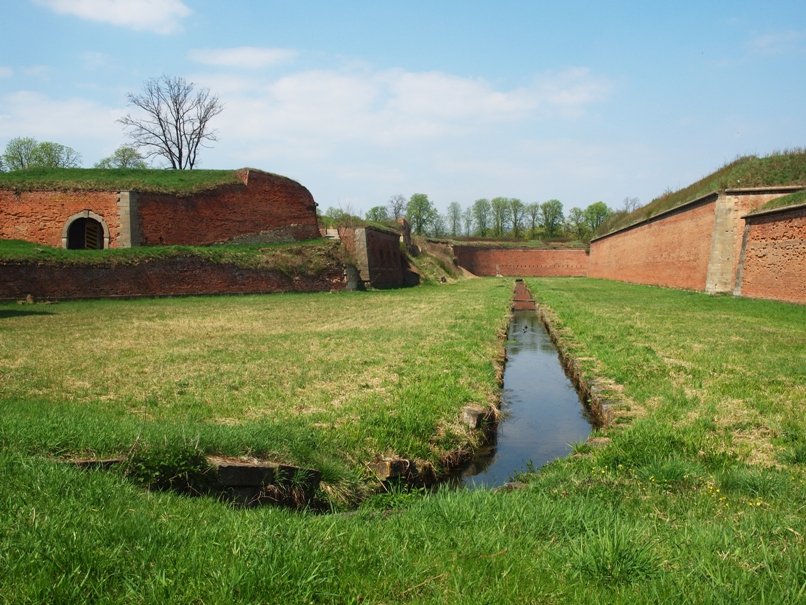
{"type": "Point", "coordinates": [377, 256]}
{"type": "Point", "coordinates": [668, 250]}
{"type": "Point", "coordinates": [266, 207]}
{"type": "Point", "coordinates": [154, 277]}
{"type": "Point", "coordinates": [522, 262]}
{"type": "Point", "coordinates": [774, 256]}
{"type": "Point", "coordinates": [40, 216]}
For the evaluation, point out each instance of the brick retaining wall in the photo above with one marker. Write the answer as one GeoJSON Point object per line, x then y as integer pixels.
{"type": "Point", "coordinates": [180, 275]}
{"type": "Point", "coordinates": [774, 256]}
{"type": "Point", "coordinates": [522, 262]}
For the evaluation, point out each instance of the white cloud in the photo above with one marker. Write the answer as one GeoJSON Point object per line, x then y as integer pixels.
{"type": "Point", "coordinates": [777, 43]}
{"type": "Point", "coordinates": [159, 16]}
{"type": "Point", "coordinates": [6, 72]}
{"type": "Point", "coordinates": [388, 108]}
{"type": "Point", "coordinates": [244, 57]}
{"type": "Point", "coordinates": [75, 122]}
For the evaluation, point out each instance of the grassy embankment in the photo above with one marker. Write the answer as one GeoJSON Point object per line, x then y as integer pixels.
{"type": "Point", "coordinates": [787, 168]}
{"type": "Point", "coordinates": [700, 497]}
{"type": "Point", "coordinates": [309, 257]}
{"type": "Point", "coordinates": [122, 179]}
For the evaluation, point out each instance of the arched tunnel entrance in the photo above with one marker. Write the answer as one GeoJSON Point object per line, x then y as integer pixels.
{"type": "Point", "coordinates": [85, 231]}
{"type": "Point", "coordinates": [85, 234]}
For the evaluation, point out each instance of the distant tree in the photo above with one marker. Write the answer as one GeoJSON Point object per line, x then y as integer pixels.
{"type": "Point", "coordinates": [577, 224]}
{"type": "Point", "coordinates": [501, 215]}
{"type": "Point", "coordinates": [377, 214]}
{"type": "Point", "coordinates": [2, 164]}
{"type": "Point", "coordinates": [420, 213]}
{"type": "Point", "coordinates": [630, 204]}
{"type": "Point", "coordinates": [482, 213]}
{"type": "Point", "coordinates": [551, 217]}
{"type": "Point", "coordinates": [467, 221]}
{"type": "Point", "coordinates": [517, 211]}
{"type": "Point", "coordinates": [176, 124]}
{"type": "Point", "coordinates": [439, 225]}
{"type": "Point", "coordinates": [396, 206]}
{"type": "Point", "coordinates": [124, 156]}
{"type": "Point", "coordinates": [19, 153]}
{"type": "Point", "coordinates": [454, 219]}
{"type": "Point", "coordinates": [595, 215]}
{"type": "Point", "coordinates": [532, 211]}
{"type": "Point", "coordinates": [55, 155]}
{"type": "Point", "coordinates": [25, 152]}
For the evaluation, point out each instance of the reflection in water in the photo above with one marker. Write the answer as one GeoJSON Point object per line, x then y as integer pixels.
{"type": "Point", "coordinates": [542, 412]}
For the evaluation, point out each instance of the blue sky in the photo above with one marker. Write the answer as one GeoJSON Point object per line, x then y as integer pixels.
{"type": "Point", "coordinates": [360, 101]}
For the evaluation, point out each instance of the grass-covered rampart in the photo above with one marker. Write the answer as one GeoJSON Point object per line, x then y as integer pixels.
{"type": "Point", "coordinates": [698, 497]}
{"type": "Point", "coordinates": [307, 257]}
{"type": "Point", "coordinates": [786, 168]}
{"type": "Point", "coordinates": [118, 179]}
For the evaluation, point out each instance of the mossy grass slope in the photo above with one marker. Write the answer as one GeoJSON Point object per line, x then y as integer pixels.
{"type": "Point", "coordinates": [793, 199]}
{"type": "Point", "coordinates": [310, 257]}
{"type": "Point", "coordinates": [785, 168]}
{"type": "Point", "coordinates": [122, 179]}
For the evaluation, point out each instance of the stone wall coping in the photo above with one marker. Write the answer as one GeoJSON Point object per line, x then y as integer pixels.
{"type": "Point", "coordinates": [781, 209]}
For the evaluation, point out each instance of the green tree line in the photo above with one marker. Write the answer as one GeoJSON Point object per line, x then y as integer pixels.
{"type": "Point", "coordinates": [496, 218]}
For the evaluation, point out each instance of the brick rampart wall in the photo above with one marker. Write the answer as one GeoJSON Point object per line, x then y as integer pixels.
{"type": "Point", "coordinates": [669, 251]}
{"type": "Point", "coordinates": [153, 277]}
{"type": "Point", "coordinates": [267, 205]}
{"type": "Point", "coordinates": [40, 216]}
{"type": "Point", "coordinates": [775, 256]}
{"type": "Point", "coordinates": [522, 262]}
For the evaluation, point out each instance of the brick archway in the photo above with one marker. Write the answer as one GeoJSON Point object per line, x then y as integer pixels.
{"type": "Point", "coordinates": [84, 230]}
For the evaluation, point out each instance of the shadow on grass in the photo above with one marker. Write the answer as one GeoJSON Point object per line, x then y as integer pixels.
{"type": "Point", "coordinates": [6, 313]}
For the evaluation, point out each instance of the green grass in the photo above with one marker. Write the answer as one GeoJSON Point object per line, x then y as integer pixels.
{"type": "Point", "coordinates": [793, 199]}
{"type": "Point", "coordinates": [121, 179]}
{"type": "Point", "coordinates": [308, 257]}
{"type": "Point", "coordinates": [700, 497]}
{"type": "Point", "coordinates": [788, 168]}
{"type": "Point", "coordinates": [324, 380]}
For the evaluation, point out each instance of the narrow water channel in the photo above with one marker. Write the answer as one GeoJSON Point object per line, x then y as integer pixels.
{"type": "Point", "coordinates": [543, 415]}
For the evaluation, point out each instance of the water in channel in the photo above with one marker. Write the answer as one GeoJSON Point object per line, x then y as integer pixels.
{"type": "Point", "coordinates": [543, 415]}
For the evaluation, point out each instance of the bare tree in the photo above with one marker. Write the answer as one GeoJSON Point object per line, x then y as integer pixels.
{"type": "Point", "coordinates": [176, 122]}
{"type": "Point", "coordinates": [397, 206]}
{"type": "Point", "coordinates": [631, 203]}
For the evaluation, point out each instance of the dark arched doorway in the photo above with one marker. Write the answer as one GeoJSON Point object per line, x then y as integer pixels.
{"type": "Point", "coordinates": [85, 234]}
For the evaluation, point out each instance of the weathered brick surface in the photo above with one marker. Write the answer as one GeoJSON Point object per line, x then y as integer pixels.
{"type": "Point", "coordinates": [775, 256]}
{"type": "Point", "coordinates": [522, 262]}
{"type": "Point", "coordinates": [669, 251]}
{"type": "Point", "coordinates": [153, 277]}
{"type": "Point", "coordinates": [267, 204]}
{"type": "Point", "coordinates": [266, 207]}
{"type": "Point", "coordinates": [377, 255]}
{"type": "Point", "coordinates": [40, 216]}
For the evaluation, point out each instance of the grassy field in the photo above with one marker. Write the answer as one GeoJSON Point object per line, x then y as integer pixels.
{"type": "Point", "coordinates": [699, 496]}
{"type": "Point", "coordinates": [324, 380]}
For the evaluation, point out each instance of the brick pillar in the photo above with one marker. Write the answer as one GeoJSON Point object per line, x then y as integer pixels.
{"type": "Point", "coordinates": [129, 219]}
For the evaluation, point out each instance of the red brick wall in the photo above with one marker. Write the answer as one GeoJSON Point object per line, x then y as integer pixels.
{"type": "Point", "coordinates": [153, 277]}
{"type": "Point", "coordinates": [270, 204]}
{"type": "Point", "coordinates": [40, 216]}
{"type": "Point", "coordinates": [775, 256]}
{"type": "Point", "coordinates": [670, 251]}
{"type": "Point", "coordinates": [522, 262]}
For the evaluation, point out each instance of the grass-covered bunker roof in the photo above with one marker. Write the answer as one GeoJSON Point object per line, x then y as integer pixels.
{"type": "Point", "coordinates": [179, 182]}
